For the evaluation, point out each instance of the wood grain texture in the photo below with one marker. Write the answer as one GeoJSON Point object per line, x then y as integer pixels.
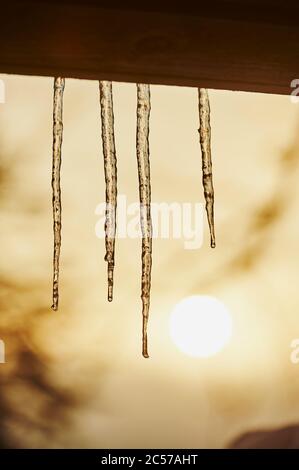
{"type": "Point", "coordinates": [235, 45]}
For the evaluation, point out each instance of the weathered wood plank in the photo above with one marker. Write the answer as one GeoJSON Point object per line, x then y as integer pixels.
{"type": "Point", "coordinates": [236, 45]}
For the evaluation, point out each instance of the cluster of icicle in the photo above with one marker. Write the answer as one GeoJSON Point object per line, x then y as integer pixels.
{"type": "Point", "coordinates": [110, 168]}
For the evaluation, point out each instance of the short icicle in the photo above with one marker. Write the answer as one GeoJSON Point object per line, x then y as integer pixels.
{"type": "Point", "coordinates": [205, 143]}
{"type": "Point", "coordinates": [142, 144]}
{"type": "Point", "coordinates": [110, 167]}
{"type": "Point", "coordinates": [56, 190]}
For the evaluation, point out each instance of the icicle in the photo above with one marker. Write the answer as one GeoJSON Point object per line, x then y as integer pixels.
{"type": "Point", "coordinates": [205, 142]}
{"type": "Point", "coordinates": [142, 143]}
{"type": "Point", "coordinates": [57, 141]}
{"type": "Point", "coordinates": [108, 141]}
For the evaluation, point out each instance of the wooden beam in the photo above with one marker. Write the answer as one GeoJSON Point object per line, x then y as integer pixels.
{"type": "Point", "coordinates": [246, 45]}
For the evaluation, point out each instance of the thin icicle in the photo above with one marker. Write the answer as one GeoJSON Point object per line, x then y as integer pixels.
{"type": "Point", "coordinates": [205, 142]}
{"type": "Point", "coordinates": [108, 141]}
{"type": "Point", "coordinates": [57, 142]}
{"type": "Point", "coordinates": [142, 143]}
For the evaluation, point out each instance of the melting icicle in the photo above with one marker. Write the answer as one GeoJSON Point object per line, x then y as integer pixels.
{"type": "Point", "coordinates": [57, 142]}
{"type": "Point", "coordinates": [142, 142]}
{"type": "Point", "coordinates": [108, 141]}
{"type": "Point", "coordinates": [205, 142]}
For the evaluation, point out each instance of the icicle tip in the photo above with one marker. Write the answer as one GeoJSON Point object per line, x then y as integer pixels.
{"type": "Point", "coordinates": [110, 293]}
{"type": "Point", "coordinates": [110, 271]}
{"type": "Point", "coordinates": [145, 353]}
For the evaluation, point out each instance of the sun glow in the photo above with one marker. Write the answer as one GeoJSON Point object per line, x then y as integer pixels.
{"type": "Point", "coordinates": [200, 326]}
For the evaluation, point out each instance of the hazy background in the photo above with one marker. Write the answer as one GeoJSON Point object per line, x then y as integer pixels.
{"type": "Point", "coordinates": [76, 378]}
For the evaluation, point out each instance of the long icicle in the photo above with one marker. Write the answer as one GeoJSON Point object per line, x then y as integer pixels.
{"type": "Point", "coordinates": [110, 166]}
{"type": "Point", "coordinates": [142, 144]}
{"type": "Point", "coordinates": [56, 191]}
{"type": "Point", "coordinates": [205, 142]}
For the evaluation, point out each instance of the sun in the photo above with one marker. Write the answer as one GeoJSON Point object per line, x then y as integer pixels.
{"type": "Point", "coordinates": [200, 326]}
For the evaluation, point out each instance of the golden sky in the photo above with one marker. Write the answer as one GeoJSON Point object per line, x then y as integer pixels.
{"type": "Point", "coordinates": [76, 378]}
